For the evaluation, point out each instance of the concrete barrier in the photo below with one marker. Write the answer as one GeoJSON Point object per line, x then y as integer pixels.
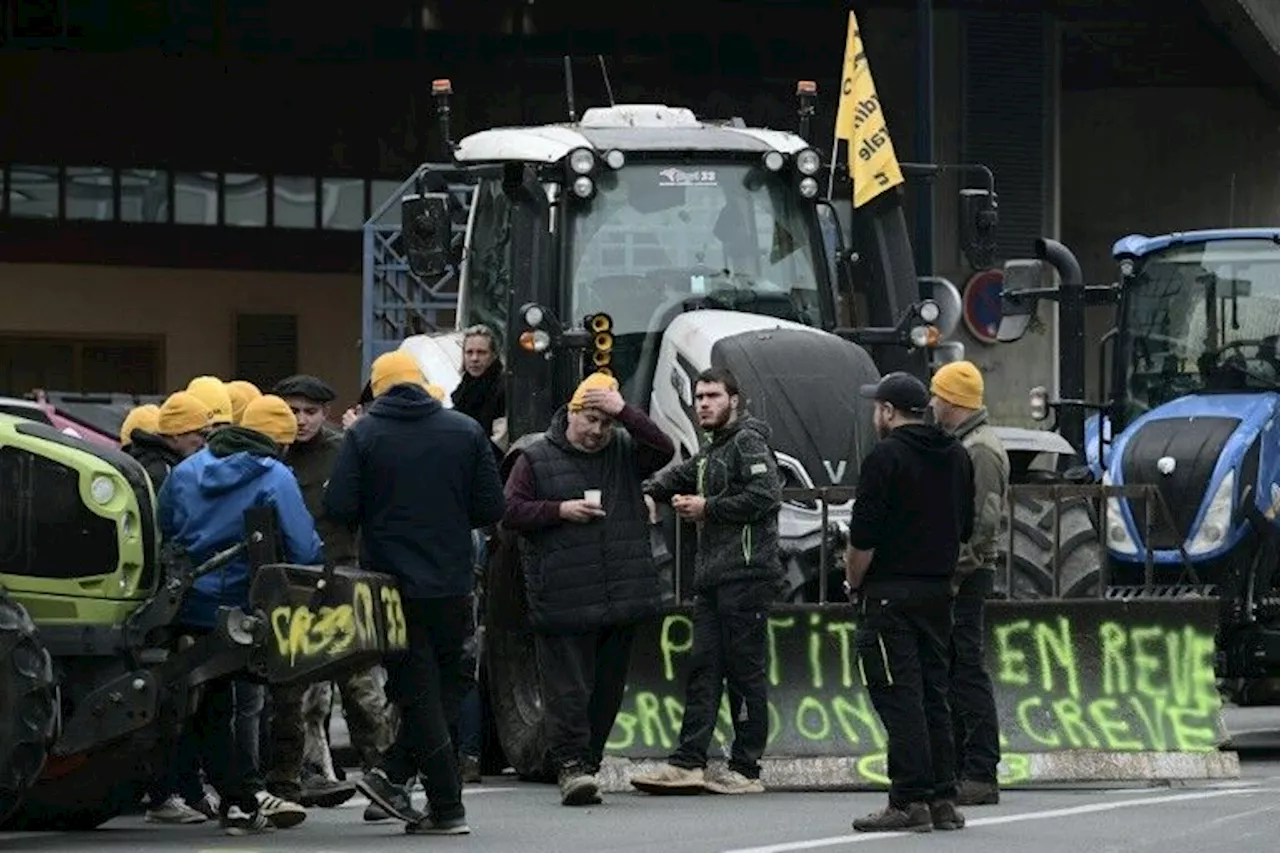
{"type": "Point", "coordinates": [1087, 691]}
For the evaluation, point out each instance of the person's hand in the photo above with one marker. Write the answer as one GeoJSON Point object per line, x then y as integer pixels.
{"type": "Point", "coordinates": [690, 507]}
{"type": "Point", "coordinates": [351, 415]}
{"type": "Point", "coordinates": [579, 511]}
{"type": "Point", "coordinates": [608, 401]}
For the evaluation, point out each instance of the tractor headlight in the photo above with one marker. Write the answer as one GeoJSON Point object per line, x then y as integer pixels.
{"type": "Point", "coordinates": [1217, 519]}
{"type": "Point", "coordinates": [581, 161]}
{"type": "Point", "coordinates": [808, 187]}
{"type": "Point", "coordinates": [583, 186]}
{"type": "Point", "coordinates": [1118, 538]}
{"type": "Point", "coordinates": [808, 162]}
{"type": "Point", "coordinates": [102, 490]}
{"type": "Point", "coordinates": [773, 161]}
{"type": "Point", "coordinates": [533, 316]}
{"type": "Point", "coordinates": [615, 159]}
{"type": "Point", "coordinates": [929, 311]}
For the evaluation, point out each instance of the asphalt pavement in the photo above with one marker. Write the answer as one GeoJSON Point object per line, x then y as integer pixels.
{"type": "Point", "coordinates": [506, 815]}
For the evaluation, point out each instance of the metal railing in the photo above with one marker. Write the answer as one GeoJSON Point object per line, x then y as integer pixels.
{"type": "Point", "coordinates": [1098, 495]}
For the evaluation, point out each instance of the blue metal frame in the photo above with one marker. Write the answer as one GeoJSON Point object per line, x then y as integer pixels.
{"type": "Point", "coordinates": [396, 302]}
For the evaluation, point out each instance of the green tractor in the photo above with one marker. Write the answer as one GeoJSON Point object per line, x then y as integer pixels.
{"type": "Point", "coordinates": [95, 679]}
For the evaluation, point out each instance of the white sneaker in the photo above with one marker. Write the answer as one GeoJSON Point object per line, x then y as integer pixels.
{"type": "Point", "coordinates": [237, 822]}
{"type": "Point", "coordinates": [174, 810]}
{"type": "Point", "coordinates": [281, 813]}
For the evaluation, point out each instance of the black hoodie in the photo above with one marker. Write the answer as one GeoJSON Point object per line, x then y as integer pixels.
{"type": "Point", "coordinates": [415, 478]}
{"type": "Point", "coordinates": [914, 508]}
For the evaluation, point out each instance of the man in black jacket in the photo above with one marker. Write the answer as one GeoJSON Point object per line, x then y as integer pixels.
{"type": "Point", "coordinates": [733, 491]}
{"type": "Point", "coordinates": [181, 428]}
{"type": "Point", "coordinates": [575, 496]}
{"type": "Point", "coordinates": [416, 478]}
{"type": "Point", "coordinates": [913, 511]}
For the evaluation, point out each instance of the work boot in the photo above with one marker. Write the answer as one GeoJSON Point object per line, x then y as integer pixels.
{"type": "Point", "coordinates": [392, 798]}
{"type": "Point", "coordinates": [669, 779]}
{"type": "Point", "coordinates": [578, 788]}
{"type": "Point", "coordinates": [471, 770]}
{"type": "Point", "coordinates": [945, 815]}
{"type": "Point", "coordinates": [914, 818]}
{"type": "Point", "coordinates": [722, 780]}
{"type": "Point", "coordinates": [973, 793]}
{"type": "Point", "coordinates": [325, 793]}
{"type": "Point", "coordinates": [281, 813]}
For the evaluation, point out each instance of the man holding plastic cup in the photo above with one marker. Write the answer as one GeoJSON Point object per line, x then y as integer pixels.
{"type": "Point", "coordinates": [574, 496]}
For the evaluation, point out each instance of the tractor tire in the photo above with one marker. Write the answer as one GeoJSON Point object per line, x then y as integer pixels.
{"type": "Point", "coordinates": [106, 785]}
{"type": "Point", "coordinates": [1080, 551]}
{"type": "Point", "coordinates": [28, 705]}
{"type": "Point", "coordinates": [511, 662]}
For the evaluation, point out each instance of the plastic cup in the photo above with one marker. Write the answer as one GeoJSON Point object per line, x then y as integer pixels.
{"type": "Point", "coordinates": [592, 496]}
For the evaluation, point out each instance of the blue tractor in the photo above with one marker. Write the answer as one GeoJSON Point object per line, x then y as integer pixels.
{"type": "Point", "coordinates": [1185, 430]}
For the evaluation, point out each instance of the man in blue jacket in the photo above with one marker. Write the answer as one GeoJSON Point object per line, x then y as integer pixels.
{"type": "Point", "coordinates": [201, 508]}
{"type": "Point", "coordinates": [416, 478]}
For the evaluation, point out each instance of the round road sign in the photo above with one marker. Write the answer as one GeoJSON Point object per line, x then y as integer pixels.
{"type": "Point", "coordinates": [982, 304]}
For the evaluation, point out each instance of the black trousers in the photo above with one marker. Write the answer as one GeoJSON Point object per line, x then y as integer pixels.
{"type": "Point", "coordinates": [228, 760]}
{"type": "Point", "coordinates": [973, 705]}
{"type": "Point", "coordinates": [583, 677]}
{"type": "Point", "coordinates": [730, 634]}
{"type": "Point", "coordinates": [904, 657]}
{"type": "Point", "coordinates": [428, 682]}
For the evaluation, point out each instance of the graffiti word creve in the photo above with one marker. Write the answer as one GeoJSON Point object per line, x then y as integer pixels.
{"type": "Point", "coordinates": [329, 631]}
{"type": "Point", "coordinates": [1067, 676]}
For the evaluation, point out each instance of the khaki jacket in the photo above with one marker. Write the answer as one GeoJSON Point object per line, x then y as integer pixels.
{"type": "Point", "coordinates": [990, 491]}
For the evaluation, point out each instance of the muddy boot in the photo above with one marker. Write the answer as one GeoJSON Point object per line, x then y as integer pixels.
{"type": "Point", "coordinates": [470, 767]}
{"type": "Point", "coordinates": [945, 815]}
{"type": "Point", "coordinates": [669, 779]}
{"type": "Point", "coordinates": [722, 780]}
{"type": "Point", "coordinates": [914, 818]}
{"type": "Point", "coordinates": [973, 793]}
{"type": "Point", "coordinates": [577, 787]}
{"type": "Point", "coordinates": [325, 793]}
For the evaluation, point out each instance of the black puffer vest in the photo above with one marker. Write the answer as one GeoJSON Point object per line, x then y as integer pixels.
{"type": "Point", "coordinates": [581, 577]}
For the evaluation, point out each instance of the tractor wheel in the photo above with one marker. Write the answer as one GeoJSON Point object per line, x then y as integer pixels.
{"type": "Point", "coordinates": [512, 664]}
{"type": "Point", "coordinates": [1079, 549]}
{"type": "Point", "coordinates": [28, 705]}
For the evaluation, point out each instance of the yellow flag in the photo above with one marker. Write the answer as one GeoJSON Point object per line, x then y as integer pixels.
{"type": "Point", "coordinates": [873, 165]}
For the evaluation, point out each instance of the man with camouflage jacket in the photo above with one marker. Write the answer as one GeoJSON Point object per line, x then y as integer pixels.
{"type": "Point", "coordinates": [957, 390]}
{"type": "Point", "coordinates": [733, 491]}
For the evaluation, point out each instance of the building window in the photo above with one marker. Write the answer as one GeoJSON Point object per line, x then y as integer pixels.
{"type": "Point", "coordinates": [33, 192]}
{"type": "Point", "coordinates": [195, 198]}
{"type": "Point", "coordinates": [144, 195]}
{"type": "Point", "coordinates": [382, 191]}
{"type": "Point", "coordinates": [266, 347]}
{"type": "Point", "coordinates": [343, 204]}
{"type": "Point", "coordinates": [295, 202]}
{"type": "Point", "coordinates": [246, 200]}
{"type": "Point", "coordinates": [90, 194]}
{"type": "Point", "coordinates": [86, 365]}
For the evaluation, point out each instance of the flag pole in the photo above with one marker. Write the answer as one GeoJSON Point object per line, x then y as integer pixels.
{"type": "Point", "coordinates": [835, 151]}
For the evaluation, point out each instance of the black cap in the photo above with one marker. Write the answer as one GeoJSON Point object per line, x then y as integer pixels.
{"type": "Point", "coordinates": [308, 387]}
{"type": "Point", "coordinates": [901, 390]}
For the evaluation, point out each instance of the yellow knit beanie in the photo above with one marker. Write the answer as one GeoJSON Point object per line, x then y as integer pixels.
{"type": "Point", "coordinates": [395, 368]}
{"type": "Point", "coordinates": [183, 412]}
{"type": "Point", "coordinates": [213, 393]}
{"type": "Point", "coordinates": [595, 382]}
{"type": "Point", "coordinates": [960, 384]}
{"type": "Point", "coordinates": [271, 416]}
{"type": "Point", "coordinates": [242, 393]}
{"type": "Point", "coordinates": [145, 418]}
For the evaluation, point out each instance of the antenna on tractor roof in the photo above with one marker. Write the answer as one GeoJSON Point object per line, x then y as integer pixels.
{"type": "Point", "coordinates": [604, 72]}
{"type": "Point", "coordinates": [568, 88]}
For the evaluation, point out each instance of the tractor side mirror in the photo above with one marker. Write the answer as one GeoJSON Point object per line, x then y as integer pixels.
{"type": "Point", "coordinates": [838, 255]}
{"type": "Point", "coordinates": [1018, 301]}
{"type": "Point", "coordinates": [427, 233]}
{"type": "Point", "coordinates": [979, 215]}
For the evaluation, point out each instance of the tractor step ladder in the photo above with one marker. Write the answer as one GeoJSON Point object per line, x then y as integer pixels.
{"type": "Point", "coordinates": [398, 303]}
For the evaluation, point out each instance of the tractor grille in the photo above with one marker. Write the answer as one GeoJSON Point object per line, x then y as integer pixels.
{"type": "Point", "coordinates": [1195, 443]}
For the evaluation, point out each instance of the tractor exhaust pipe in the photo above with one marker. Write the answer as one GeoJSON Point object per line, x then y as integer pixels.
{"type": "Point", "coordinates": [1071, 366]}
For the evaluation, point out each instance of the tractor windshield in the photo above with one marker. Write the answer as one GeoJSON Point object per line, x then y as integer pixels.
{"type": "Point", "coordinates": [1202, 317]}
{"type": "Point", "coordinates": [660, 238]}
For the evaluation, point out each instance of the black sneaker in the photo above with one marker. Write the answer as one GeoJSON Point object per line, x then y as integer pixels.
{"type": "Point", "coordinates": [325, 793]}
{"type": "Point", "coordinates": [439, 826]}
{"type": "Point", "coordinates": [237, 822]}
{"type": "Point", "coordinates": [973, 793]}
{"type": "Point", "coordinates": [945, 815]}
{"type": "Point", "coordinates": [913, 818]}
{"type": "Point", "coordinates": [394, 799]}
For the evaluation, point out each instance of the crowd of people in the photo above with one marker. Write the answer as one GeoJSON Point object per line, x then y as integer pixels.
{"type": "Point", "coordinates": [411, 487]}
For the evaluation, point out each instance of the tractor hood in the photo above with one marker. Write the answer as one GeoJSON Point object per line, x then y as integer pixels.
{"type": "Point", "coordinates": [1187, 448]}
{"type": "Point", "coordinates": [804, 383]}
